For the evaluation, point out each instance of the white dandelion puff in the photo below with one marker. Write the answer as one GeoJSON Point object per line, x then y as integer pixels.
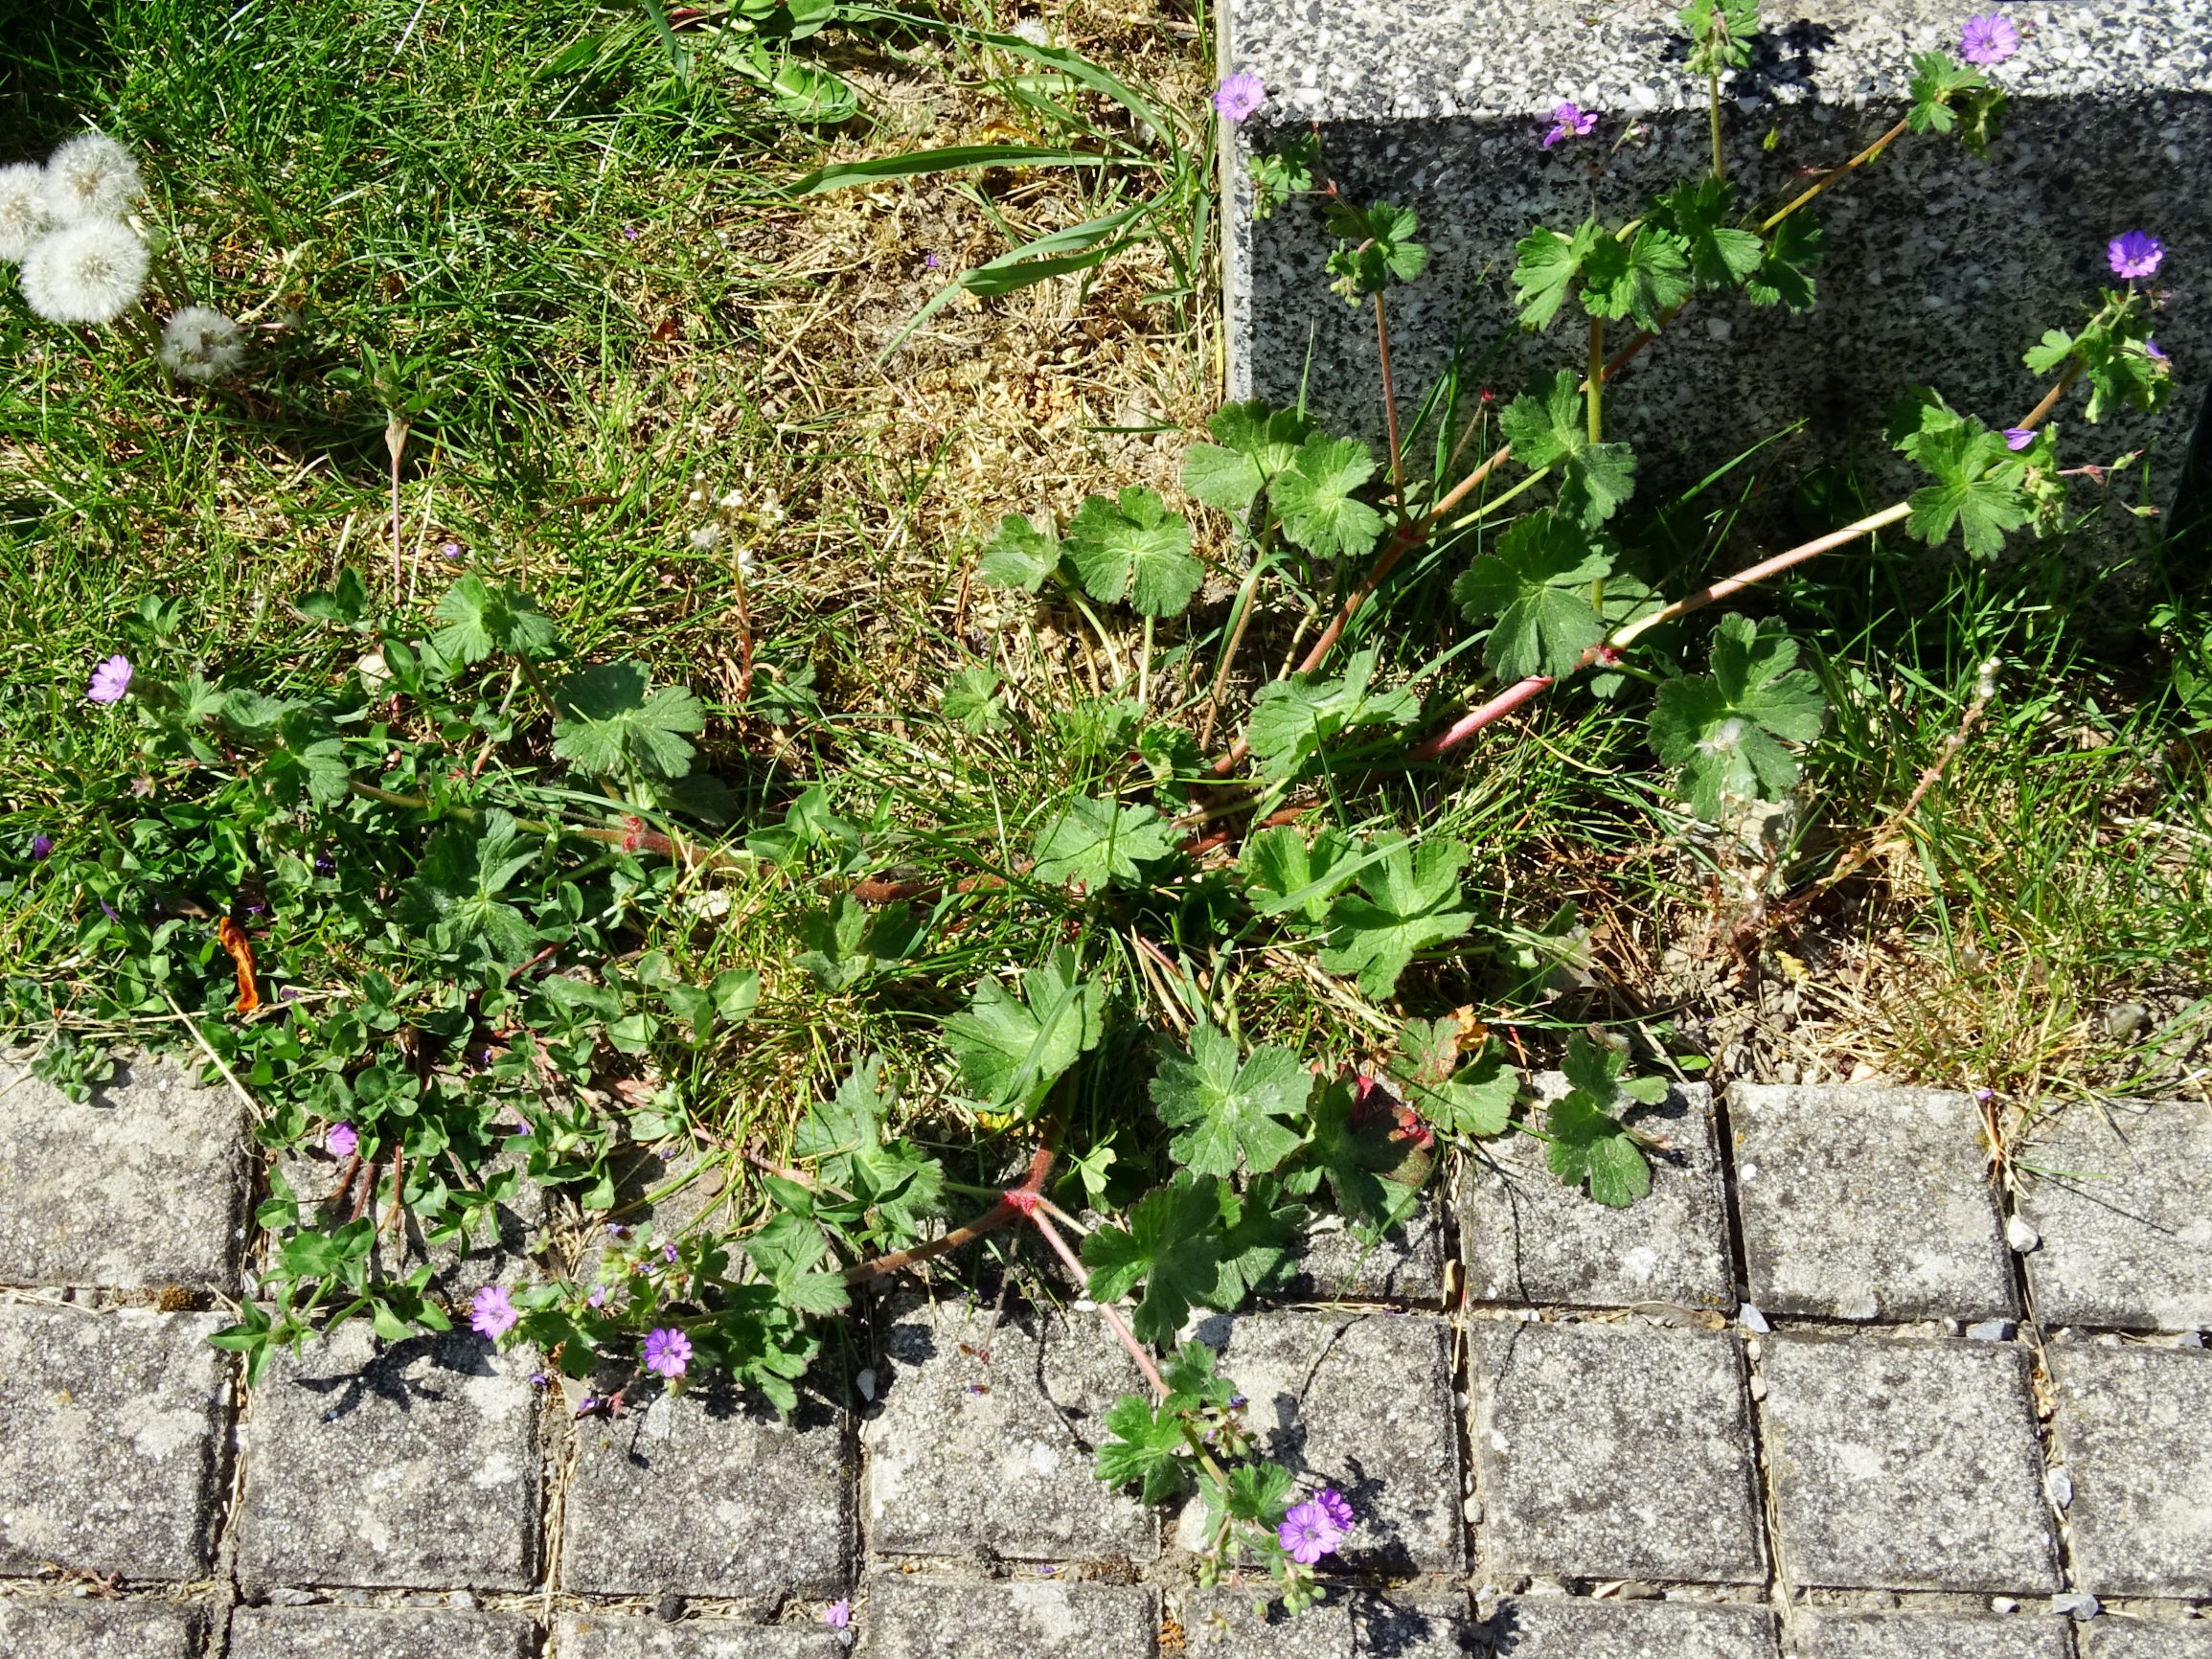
{"type": "Point", "coordinates": [23, 216]}
{"type": "Point", "coordinates": [201, 344]}
{"type": "Point", "coordinates": [706, 538]}
{"type": "Point", "coordinates": [91, 177]}
{"type": "Point", "coordinates": [85, 273]}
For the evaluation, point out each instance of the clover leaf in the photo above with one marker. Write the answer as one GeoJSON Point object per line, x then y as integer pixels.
{"type": "Point", "coordinates": [1593, 479]}
{"type": "Point", "coordinates": [1232, 1114]}
{"type": "Point", "coordinates": [1407, 904]}
{"type": "Point", "coordinates": [1134, 546]}
{"type": "Point", "coordinates": [1725, 730]}
{"type": "Point", "coordinates": [1537, 582]}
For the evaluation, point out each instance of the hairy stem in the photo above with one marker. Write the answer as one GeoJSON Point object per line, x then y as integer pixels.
{"type": "Point", "coordinates": [1389, 404]}
{"type": "Point", "coordinates": [1594, 382]}
{"type": "Point", "coordinates": [1007, 1208]}
{"type": "Point", "coordinates": [1713, 113]}
{"type": "Point", "coordinates": [1832, 175]}
{"type": "Point", "coordinates": [1114, 1321]}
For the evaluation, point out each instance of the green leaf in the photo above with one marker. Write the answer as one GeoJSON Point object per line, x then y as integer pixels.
{"type": "Point", "coordinates": [1374, 1166]}
{"type": "Point", "coordinates": [1538, 584]}
{"type": "Point", "coordinates": [957, 158]}
{"type": "Point", "coordinates": [1145, 1444]}
{"type": "Point", "coordinates": [1253, 442]}
{"type": "Point", "coordinates": [1720, 33]}
{"type": "Point", "coordinates": [1259, 1494]}
{"type": "Point", "coordinates": [845, 1139]}
{"type": "Point", "coordinates": [454, 895]}
{"type": "Point", "coordinates": [1293, 718]}
{"type": "Point", "coordinates": [2114, 355]}
{"type": "Point", "coordinates": [1725, 730]}
{"type": "Point", "coordinates": [1720, 256]}
{"type": "Point", "coordinates": [1547, 269]}
{"type": "Point", "coordinates": [1134, 546]}
{"type": "Point", "coordinates": [1231, 1114]}
{"type": "Point", "coordinates": [1171, 1245]}
{"type": "Point", "coordinates": [1786, 266]}
{"type": "Point", "coordinates": [1024, 554]}
{"type": "Point", "coordinates": [1373, 243]}
{"type": "Point", "coordinates": [481, 620]}
{"type": "Point", "coordinates": [735, 990]}
{"type": "Point", "coordinates": [1978, 488]}
{"type": "Point", "coordinates": [1261, 1233]}
{"type": "Point", "coordinates": [1644, 277]}
{"type": "Point", "coordinates": [346, 602]}
{"type": "Point", "coordinates": [846, 940]}
{"type": "Point", "coordinates": [1408, 902]}
{"type": "Point", "coordinates": [1317, 498]}
{"type": "Point", "coordinates": [1588, 1144]}
{"type": "Point", "coordinates": [611, 721]}
{"type": "Point", "coordinates": [1938, 81]}
{"type": "Point", "coordinates": [972, 699]}
{"type": "Point", "coordinates": [1474, 1100]}
{"type": "Point", "coordinates": [1100, 842]}
{"type": "Point", "coordinates": [1011, 1047]}
{"type": "Point", "coordinates": [1190, 1372]}
{"type": "Point", "coordinates": [1288, 168]}
{"type": "Point", "coordinates": [1593, 479]}
{"type": "Point", "coordinates": [1283, 874]}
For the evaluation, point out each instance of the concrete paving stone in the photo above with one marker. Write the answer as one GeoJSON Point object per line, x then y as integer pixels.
{"type": "Point", "coordinates": [615, 1636]}
{"type": "Point", "coordinates": [51, 1627]}
{"type": "Point", "coordinates": [1555, 1627]}
{"type": "Point", "coordinates": [925, 1618]}
{"type": "Point", "coordinates": [1532, 1240]}
{"type": "Point", "coordinates": [142, 1187]}
{"type": "Point", "coordinates": [378, 1633]}
{"type": "Point", "coordinates": [1361, 1402]}
{"type": "Point", "coordinates": [110, 1440]}
{"type": "Point", "coordinates": [1614, 1452]}
{"type": "Point", "coordinates": [2147, 1639]}
{"type": "Point", "coordinates": [983, 1435]}
{"type": "Point", "coordinates": [1406, 1265]}
{"type": "Point", "coordinates": [2133, 1426]}
{"type": "Point", "coordinates": [709, 1493]}
{"type": "Point", "coordinates": [1819, 1633]}
{"type": "Point", "coordinates": [412, 1465]}
{"type": "Point", "coordinates": [1219, 1625]}
{"type": "Point", "coordinates": [1907, 1465]}
{"type": "Point", "coordinates": [2121, 1193]}
{"type": "Point", "coordinates": [1867, 1203]}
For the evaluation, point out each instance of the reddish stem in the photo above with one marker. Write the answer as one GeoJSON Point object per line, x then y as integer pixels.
{"type": "Point", "coordinates": [1113, 1319]}
{"type": "Point", "coordinates": [1008, 1206]}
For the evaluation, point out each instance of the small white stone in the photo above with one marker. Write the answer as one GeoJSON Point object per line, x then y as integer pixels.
{"type": "Point", "coordinates": [1720, 329]}
{"type": "Point", "coordinates": [2061, 1486]}
{"type": "Point", "coordinates": [865, 1382]}
{"type": "Point", "coordinates": [2020, 1235]}
{"type": "Point", "coordinates": [1758, 1388]}
{"type": "Point", "coordinates": [1752, 1320]}
{"type": "Point", "coordinates": [2078, 1604]}
{"type": "Point", "coordinates": [2003, 1604]}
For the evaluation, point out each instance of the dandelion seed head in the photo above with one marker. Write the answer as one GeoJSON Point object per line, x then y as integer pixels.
{"type": "Point", "coordinates": [91, 272]}
{"type": "Point", "coordinates": [706, 538]}
{"type": "Point", "coordinates": [1032, 30]}
{"type": "Point", "coordinates": [200, 345]}
{"type": "Point", "coordinates": [91, 177]}
{"type": "Point", "coordinates": [23, 215]}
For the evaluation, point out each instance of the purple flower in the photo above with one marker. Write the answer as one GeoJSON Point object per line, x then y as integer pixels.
{"type": "Point", "coordinates": [490, 1314]}
{"type": "Point", "coordinates": [2136, 254]}
{"type": "Point", "coordinates": [537, 1379]}
{"type": "Point", "coordinates": [629, 232]}
{"type": "Point", "coordinates": [598, 1295]}
{"type": "Point", "coordinates": [1570, 122]}
{"type": "Point", "coordinates": [667, 1350]}
{"type": "Point", "coordinates": [668, 1253]}
{"type": "Point", "coordinates": [1307, 1535]}
{"type": "Point", "coordinates": [837, 1615]}
{"type": "Point", "coordinates": [1240, 96]}
{"type": "Point", "coordinates": [110, 911]}
{"type": "Point", "coordinates": [1338, 1507]}
{"type": "Point", "coordinates": [342, 1139]}
{"type": "Point", "coordinates": [2150, 351]}
{"type": "Point", "coordinates": [931, 261]}
{"type": "Point", "coordinates": [289, 993]}
{"type": "Point", "coordinates": [450, 549]}
{"type": "Point", "coordinates": [112, 678]}
{"type": "Point", "coordinates": [2020, 437]}
{"type": "Point", "coordinates": [41, 847]}
{"type": "Point", "coordinates": [1989, 38]}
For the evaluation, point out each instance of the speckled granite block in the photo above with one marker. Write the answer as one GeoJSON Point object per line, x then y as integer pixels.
{"type": "Point", "coordinates": [1219, 1625]}
{"type": "Point", "coordinates": [1555, 1627]}
{"type": "Point", "coordinates": [110, 1440]}
{"type": "Point", "coordinates": [1407, 1265]}
{"type": "Point", "coordinates": [413, 1466]}
{"type": "Point", "coordinates": [2133, 1426]}
{"type": "Point", "coordinates": [2121, 1193]}
{"type": "Point", "coordinates": [1361, 1402]}
{"type": "Point", "coordinates": [1940, 267]}
{"type": "Point", "coordinates": [49, 1627]}
{"type": "Point", "coordinates": [1614, 1452]}
{"type": "Point", "coordinates": [1867, 1203]}
{"type": "Point", "coordinates": [670, 1497]}
{"type": "Point", "coordinates": [142, 1187]}
{"type": "Point", "coordinates": [971, 1455]}
{"type": "Point", "coordinates": [2147, 1639]}
{"type": "Point", "coordinates": [619, 1636]}
{"type": "Point", "coordinates": [1532, 1240]}
{"type": "Point", "coordinates": [378, 1633]}
{"type": "Point", "coordinates": [1907, 1465]}
{"type": "Point", "coordinates": [1821, 1633]}
{"type": "Point", "coordinates": [922, 1618]}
